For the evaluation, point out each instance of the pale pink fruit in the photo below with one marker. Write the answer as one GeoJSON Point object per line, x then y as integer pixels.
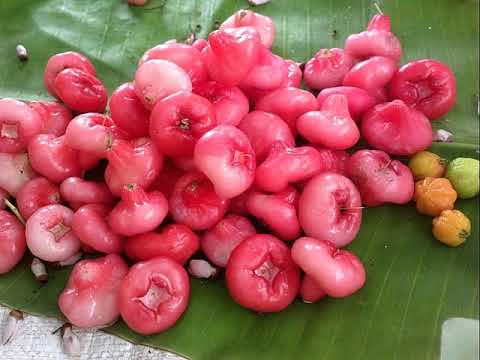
{"type": "Point", "coordinates": [201, 269]}
{"type": "Point", "coordinates": [359, 100]}
{"type": "Point", "coordinates": [263, 24]}
{"type": "Point", "coordinates": [310, 291]}
{"type": "Point", "coordinates": [12, 241]}
{"type": "Point", "coordinates": [15, 172]}
{"type": "Point", "coordinates": [397, 129]}
{"type": "Point", "coordinates": [330, 209]}
{"type": "Point", "coordinates": [90, 298]}
{"type": "Point", "coordinates": [288, 103]}
{"type": "Point", "coordinates": [332, 126]}
{"type": "Point", "coordinates": [90, 224]}
{"type": "Point", "coordinates": [157, 79]}
{"type": "Point", "coordinates": [194, 202]}
{"type": "Point", "coordinates": [62, 61]}
{"type": "Point", "coordinates": [337, 272]}
{"type": "Point", "coordinates": [426, 85]}
{"type": "Point", "coordinates": [138, 211]}
{"type": "Point", "coordinates": [263, 129]}
{"type": "Point", "coordinates": [231, 54]}
{"type": "Point", "coordinates": [49, 234]}
{"type": "Point", "coordinates": [18, 124]}
{"type": "Point", "coordinates": [183, 55]}
{"type": "Point", "coordinates": [229, 103]}
{"type": "Point", "coordinates": [55, 116]}
{"type": "Point", "coordinates": [279, 215]}
{"type": "Point", "coordinates": [35, 194]}
{"type": "Point", "coordinates": [327, 68]}
{"type": "Point", "coordinates": [379, 178]}
{"type": "Point", "coordinates": [219, 241]}
{"type": "Point", "coordinates": [286, 164]}
{"type": "Point", "coordinates": [377, 40]}
{"type": "Point", "coordinates": [226, 157]}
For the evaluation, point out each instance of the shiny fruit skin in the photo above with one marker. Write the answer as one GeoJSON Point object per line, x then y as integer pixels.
{"type": "Point", "coordinates": [426, 164]}
{"type": "Point", "coordinates": [12, 241]}
{"type": "Point", "coordinates": [463, 173]}
{"type": "Point", "coordinates": [433, 195]}
{"type": "Point", "coordinates": [451, 227]}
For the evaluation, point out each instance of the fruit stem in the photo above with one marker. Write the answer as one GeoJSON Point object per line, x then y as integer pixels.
{"type": "Point", "coordinates": [184, 124]}
{"type": "Point", "coordinates": [133, 194]}
{"type": "Point", "coordinates": [378, 8]}
{"type": "Point", "coordinates": [14, 210]}
{"type": "Point", "coordinates": [39, 270]}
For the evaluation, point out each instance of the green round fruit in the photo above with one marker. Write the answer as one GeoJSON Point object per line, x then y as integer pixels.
{"type": "Point", "coordinates": [463, 173]}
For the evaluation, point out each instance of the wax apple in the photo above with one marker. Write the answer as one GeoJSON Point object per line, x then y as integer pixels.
{"type": "Point", "coordinates": [195, 203]}
{"type": "Point", "coordinates": [379, 178]}
{"type": "Point", "coordinates": [55, 116]}
{"type": "Point", "coordinates": [35, 194]}
{"type": "Point", "coordinates": [154, 295]}
{"type": "Point", "coordinates": [327, 68]}
{"type": "Point", "coordinates": [226, 157]}
{"type": "Point", "coordinates": [175, 241]}
{"type": "Point", "coordinates": [426, 85]}
{"type": "Point", "coordinates": [397, 129]}
{"type": "Point", "coordinates": [12, 241]}
{"type": "Point", "coordinates": [178, 121]}
{"type": "Point", "coordinates": [332, 126]}
{"type": "Point", "coordinates": [333, 161]}
{"type": "Point", "coordinates": [359, 100]}
{"type": "Point", "coordinates": [330, 209]}
{"type": "Point", "coordinates": [263, 129]}
{"type": "Point", "coordinates": [16, 171]}
{"type": "Point", "coordinates": [90, 298]}
{"type": "Point", "coordinates": [286, 165]}
{"type": "Point", "coordinates": [337, 272]}
{"type": "Point", "coordinates": [219, 241]}
{"type": "Point", "coordinates": [310, 291]}
{"type": "Point", "coordinates": [261, 274]}
{"type": "Point", "coordinates": [80, 191]}
{"type": "Point", "coordinates": [269, 73]}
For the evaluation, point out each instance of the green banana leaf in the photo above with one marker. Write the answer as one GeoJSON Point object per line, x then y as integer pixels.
{"type": "Point", "coordinates": [414, 283]}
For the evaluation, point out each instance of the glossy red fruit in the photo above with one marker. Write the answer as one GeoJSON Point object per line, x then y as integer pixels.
{"type": "Point", "coordinates": [310, 292]}
{"type": "Point", "coordinates": [377, 40]}
{"type": "Point", "coordinates": [335, 161]}
{"type": "Point", "coordinates": [263, 24]}
{"type": "Point", "coordinates": [238, 205]}
{"type": "Point", "coordinates": [186, 164]}
{"type": "Point", "coordinates": [279, 215]}
{"type": "Point", "coordinates": [35, 194]}
{"type": "Point", "coordinates": [157, 79]}
{"type": "Point", "coordinates": [286, 165]}
{"type": "Point", "coordinates": [380, 179]}
{"type": "Point", "coordinates": [288, 103]}
{"type": "Point", "coordinates": [16, 171]}
{"type": "Point", "coordinates": [51, 157]}
{"type": "Point", "coordinates": [332, 126]}
{"type": "Point", "coordinates": [81, 91]}
{"type": "Point", "coordinates": [12, 241]}
{"type": "Point", "coordinates": [426, 85]}
{"type": "Point", "coordinates": [261, 274]}
{"type": "Point", "coordinates": [80, 191]}
{"type": "Point", "coordinates": [330, 209]}
{"type": "Point", "coordinates": [183, 55]}
{"type": "Point", "coordinates": [195, 203]}
{"type": "Point", "coordinates": [327, 68]}
{"type": "Point", "coordinates": [226, 157]}
{"type": "Point", "coordinates": [138, 211]}
{"type": "Point", "coordinates": [128, 112]}
{"type": "Point", "coordinates": [269, 73]}
{"type": "Point", "coordinates": [55, 116]}
{"type": "Point", "coordinates": [18, 125]}
{"type": "Point", "coordinates": [262, 130]}
{"type": "Point", "coordinates": [49, 233]}
{"type": "Point", "coordinates": [87, 161]}
{"type": "Point", "coordinates": [166, 180]}
{"type": "Point", "coordinates": [90, 298]}
{"type": "Point", "coordinates": [397, 129]}
{"type": "Point", "coordinates": [219, 241]}
{"type": "Point", "coordinates": [178, 121]}
{"type": "Point", "coordinates": [199, 44]}
{"type": "Point", "coordinates": [359, 100]}
{"type": "Point", "coordinates": [132, 162]}
{"type": "Point", "coordinates": [175, 241]}
{"type": "Point", "coordinates": [93, 133]}
{"type": "Point", "coordinates": [294, 76]}
{"type": "Point", "coordinates": [338, 272]}
{"type": "Point", "coordinates": [231, 54]}
{"type": "Point", "coordinates": [62, 61]}
{"type": "Point", "coordinates": [154, 295]}
{"type": "Point", "coordinates": [371, 75]}
{"type": "Point", "coordinates": [90, 224]}
{"type": "Point", "coordinates": [229, 103]}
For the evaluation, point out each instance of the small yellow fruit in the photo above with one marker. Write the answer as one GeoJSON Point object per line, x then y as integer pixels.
{"type": "Point", "coordinates": [426, 164]}
{"type": "Point", "coordinates": [433, 195]}
{"type": "Point", "coordinates": [452, 227]}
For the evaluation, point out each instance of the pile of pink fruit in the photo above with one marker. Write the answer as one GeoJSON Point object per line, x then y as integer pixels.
{"type": "Point", "coordinates": [214, 147]}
